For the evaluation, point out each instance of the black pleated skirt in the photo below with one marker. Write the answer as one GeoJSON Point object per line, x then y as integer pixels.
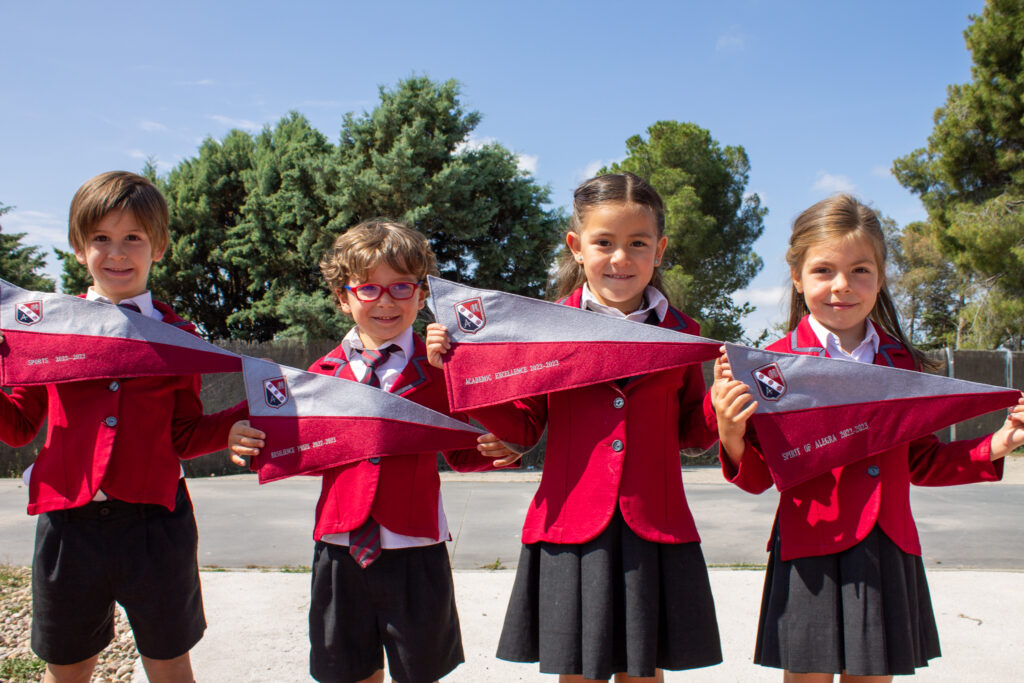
{"type": "Point", "coordinates": [865, 611]}
{"type": "Point", "coordinates": [615, 604]}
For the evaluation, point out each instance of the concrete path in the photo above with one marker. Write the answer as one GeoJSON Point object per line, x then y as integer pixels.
{"type": "Point", "coordinates": [257, 618]}
{"type": "Point", "coordinates": [242, 524]}
{"type": "Point", "coordinates": [258, 629]}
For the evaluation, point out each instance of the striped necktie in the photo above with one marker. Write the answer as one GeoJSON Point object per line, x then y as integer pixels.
{"type": "Point", "coordinates": [130, 306]}
{"type": "Point", "coordinates": [364, 541]}
{"type": "Point", "coordinates": [374, 358]}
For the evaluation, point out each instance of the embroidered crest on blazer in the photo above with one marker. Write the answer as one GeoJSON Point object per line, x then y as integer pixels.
{"type": "Point", "coordinates": [506, 346]}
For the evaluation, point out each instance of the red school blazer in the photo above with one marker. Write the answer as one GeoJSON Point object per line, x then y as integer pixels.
{"type": "Point", "coordinates": [610, 447]}
{"type": "Point", "coordinates": [399, 491]}
{"type": "Point", "coordinates": [837, 510]}
{"type": "Point", "coordinates": [126, 436]}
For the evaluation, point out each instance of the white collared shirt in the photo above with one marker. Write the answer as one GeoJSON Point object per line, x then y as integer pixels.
{"type": "Point", "coordinates": [390, 369]}
{"type": "Point", "coordinates": [865, 351]}
{"type": "Point", "coordinates": [653, 301]}
{"type": "Point", "coordinates": [388, 373]}
{"type": "Point", "coordinates": [144, 301]}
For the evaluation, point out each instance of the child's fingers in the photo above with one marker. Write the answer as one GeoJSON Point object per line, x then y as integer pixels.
{"type": "Point", "coordinates": [238, 460]}
{"type": "Point", "coordinates": [745, 414]}
{"type": "Point", "coordinates": [508, 460]}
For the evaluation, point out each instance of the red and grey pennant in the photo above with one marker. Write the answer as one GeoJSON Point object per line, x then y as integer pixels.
{"type": "Point", "coordinates": [506, 346]}
{"type": "Point", "coordinates": [314, 421]}
{"type": "Point", "coordinates": [815, 414]}
{"type": "Point", "coordinates": [58, 338]}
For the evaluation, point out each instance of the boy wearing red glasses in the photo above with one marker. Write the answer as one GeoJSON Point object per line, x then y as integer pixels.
{"type": "Point", "coordinates": [381, 575]}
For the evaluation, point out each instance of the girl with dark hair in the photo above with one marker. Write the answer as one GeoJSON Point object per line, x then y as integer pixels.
{"type": "Point", "coordinates": [611, 579]}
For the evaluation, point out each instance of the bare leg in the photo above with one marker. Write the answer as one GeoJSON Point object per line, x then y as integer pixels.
{"type": "Point", "coordinates": [177, 670]}
{"type": "Point", "coordinates": [658, 677]}
{"type": "Point", "coordinates": [790, 677]}
{"type": "Point", "coordinates": [847, 678]}
{"type": "Point", "coordinates": [79, 672]}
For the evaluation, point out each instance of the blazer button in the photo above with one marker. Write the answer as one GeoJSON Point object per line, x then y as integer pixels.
{"type": "Point", "coordinates": [114, 386]}
{"type": "Point", "coordinates": [617, 446]}
{"type": "Point", "coordinates": [874, 470]}
{"type": "Point", "coordinates": [110, 421]}
{"type": "Point", "coordinates": [374, 460]}
{"type": "Point", "coordinates": [619, 402]}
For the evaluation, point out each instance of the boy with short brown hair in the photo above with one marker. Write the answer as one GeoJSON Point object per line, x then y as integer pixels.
{"type": "Point", "coordinates": [381, 575]}
{"type": "Point", "coordinates": [115, 518]}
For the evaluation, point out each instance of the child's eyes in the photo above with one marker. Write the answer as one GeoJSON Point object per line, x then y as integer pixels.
{"type": "Point", "coordinates": [639, 244]}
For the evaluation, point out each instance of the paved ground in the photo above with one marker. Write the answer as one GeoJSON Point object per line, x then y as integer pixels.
{"type": "Point", "coordinates": [258, 618]}
{"type": "Point", "coordinates": [242, 524]}
{"type": "Point", "coordinates": [258, 628]}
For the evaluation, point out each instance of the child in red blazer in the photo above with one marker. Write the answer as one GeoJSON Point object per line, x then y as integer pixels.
{"type": "Point", "coordinates": [611, 579]}
{"type": "Point", "coordinates": [115, 519]}
{"type": "Point", "coordinates": [381, 575]}
{"type": "Point", "coordinates": [845, 591]}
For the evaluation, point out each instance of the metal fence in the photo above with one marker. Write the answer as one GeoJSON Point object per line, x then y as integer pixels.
{"type": "Point", "coordinates": [1001, 368]}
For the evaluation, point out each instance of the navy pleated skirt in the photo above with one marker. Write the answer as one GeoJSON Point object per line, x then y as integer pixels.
{"type": "Point", "coordinates": [618, 603]}
{"type": "Point", "coordinates": [865, 611]}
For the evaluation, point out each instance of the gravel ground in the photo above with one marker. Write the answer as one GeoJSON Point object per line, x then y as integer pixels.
{"type": "Point", "coordinates": [18, 664]}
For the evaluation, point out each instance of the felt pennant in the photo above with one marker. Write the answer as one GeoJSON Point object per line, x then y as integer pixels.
{"type": "Point", "coordinates": [815, 414]}
{"type": "Point", "coordinates": [506, 346]}
{"type": "Point", "coordinates": [314, 421]}
{"type": "Point", "coordinates": [58, 338]}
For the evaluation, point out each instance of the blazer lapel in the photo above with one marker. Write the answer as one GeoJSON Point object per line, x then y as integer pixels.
{"type": "Point", "coordinates": [414, 375]}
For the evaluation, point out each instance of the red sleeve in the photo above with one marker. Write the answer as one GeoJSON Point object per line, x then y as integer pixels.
{"type": "Point", "coordinates": [694, 430]}
{"type": "Point", "coordinates": [21, 414]}
{"type": "Point", "coordinates": [933, 463]}
{"type": "Point", "coordinates": [472, 460]}
{"type": "Point", "coordinates": [194, 433]}
{"type": "Point", "coordinates": [518, 423]}
{"type": "Point", "coordinates": [752, 475]}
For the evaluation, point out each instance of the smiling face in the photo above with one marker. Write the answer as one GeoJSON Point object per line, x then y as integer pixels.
{"type": "Point", "coordinates": [619, 248]}
{"type": "Point", "coordinates": [840, 280]}
{"type": "Point", "coordinates": [118, 254]}
{"type": "Point", "coordinates": [382, 320]}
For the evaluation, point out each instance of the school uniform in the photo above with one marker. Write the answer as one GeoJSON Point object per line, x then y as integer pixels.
{"type": "Point", "coordinates": [115, 519]}
{"type": "Point", "coordinates": [611, 577]}
{"type": "Point", "coordinates": [845, 587]}
{"type": "Point", "coordinates": [403, 602]}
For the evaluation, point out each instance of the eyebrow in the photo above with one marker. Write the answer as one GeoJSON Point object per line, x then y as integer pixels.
{"type": "Point", "coordinates": [829, 262]}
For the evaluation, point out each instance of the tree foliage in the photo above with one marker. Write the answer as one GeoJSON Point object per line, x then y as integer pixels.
{"type": "Point", "coordinates": [20, 264]}
{"type": "Point", "coordinates": [710, 221]}
{"type": "Point", "coordinates": [251, 216]}
{"type": "Point", "coordinates": [970, 178]}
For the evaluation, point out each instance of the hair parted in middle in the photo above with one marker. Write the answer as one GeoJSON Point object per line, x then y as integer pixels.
{"type": "Point", "coordinates": [835, 219]}
{"type": "Point", "coordinates": [612, 188]}
{"type": "Point", "coordinates": [363, 247]}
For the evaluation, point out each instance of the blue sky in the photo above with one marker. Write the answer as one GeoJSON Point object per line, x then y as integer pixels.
{"type": "Point", "coordinates": [822, 95]}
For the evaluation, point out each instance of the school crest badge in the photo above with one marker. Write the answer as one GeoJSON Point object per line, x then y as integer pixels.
{"type": "Point", "coordinates": [29, 312]}
{"type": "Point", "coordinates": [770, 382]}
{"type": "Point", "coordinates": [275, 391]}
{"type": "Point", "coordinates": [470, 315]}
